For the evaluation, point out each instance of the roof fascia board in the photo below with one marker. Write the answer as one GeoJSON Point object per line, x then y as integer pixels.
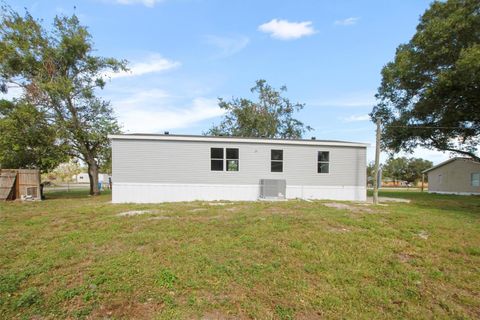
{"type": "Point", "coordinates": [237, 140]}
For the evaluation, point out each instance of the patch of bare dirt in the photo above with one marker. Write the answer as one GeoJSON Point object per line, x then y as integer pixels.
{"type": "Point", "coordinates": [127, 310]}
{"type": "Point", "coordinates": [423, 234]}
{"type": "Point", "coordinates": [197, 210]}
{"type": "Point", "coordinates": [308, 315]}
{"type": "Point", "coordinates": [405, 257]}
{"type": "Point", "coordinates": [388, 199]}
{"type": "Point", "coordinates": [218, 315]}
{"type": "Point", "coordinates": [189, 218]}
{"type": "Point", "coordinates": [134, 213]}
{"type": "Point", "coordinates": [338, 229]}
{"type": "Point", "coordinates": [349, 207]}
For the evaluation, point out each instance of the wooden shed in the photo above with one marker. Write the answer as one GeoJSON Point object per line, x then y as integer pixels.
{"type": "Point", "coordinates": [20, 184]}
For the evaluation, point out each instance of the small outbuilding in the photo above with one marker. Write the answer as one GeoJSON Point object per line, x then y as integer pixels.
{"type": "Point", "coordinates": [455, 176]}
{"type": "Point", "coordinates": [164, 168]}
{"type": "Point", "coordinates": [20, 184]}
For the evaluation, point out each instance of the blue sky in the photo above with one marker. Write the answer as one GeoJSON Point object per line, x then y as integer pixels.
{"type": "Point", "coordinates": [184, 54]}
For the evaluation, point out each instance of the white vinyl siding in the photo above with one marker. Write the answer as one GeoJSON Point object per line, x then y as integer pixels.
{"type": "Point", "coordinates": [163, 161]}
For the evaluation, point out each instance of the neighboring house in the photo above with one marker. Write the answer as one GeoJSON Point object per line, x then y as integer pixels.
{"type": "Point", "coordinates": [84, 178]}
{"type": "Point", "coordinates": [456, 176]}
{"type": "Point", "coordinates": [162, 168]}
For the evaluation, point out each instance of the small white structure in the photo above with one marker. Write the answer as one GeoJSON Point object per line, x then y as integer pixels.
{"type": "Point", "coordinates": [162, 168]}
{"type": "Point", "coordinates": [455, 176]}
{"type": "Point", "coordinates": [84, 178]}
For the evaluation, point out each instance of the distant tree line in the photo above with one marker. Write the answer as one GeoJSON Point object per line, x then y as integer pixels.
{"type": "Point", "coordinates": [401, 169]}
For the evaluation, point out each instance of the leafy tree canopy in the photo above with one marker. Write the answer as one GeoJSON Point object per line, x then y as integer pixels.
{"type": "Point", "coordinates": [430, 93]}
{"type": "Point", "coordinates": [270, 117]}
{"type": "Point", "coordinates": [59, 74]}
{"type": "Point", "coordinates": [27, 140]}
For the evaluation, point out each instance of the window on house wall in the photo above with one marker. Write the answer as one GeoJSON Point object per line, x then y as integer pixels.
{"type": "Point", "coordinates": [232, 159]}
{"type": "Point", "coordinates": [276, 158]}
{"type": "Point", "coordinates": [475, 179]}
{"type": "Point", "coordinates": [323, 162]}
{"type": "Point", "coordinates": [216, 159]}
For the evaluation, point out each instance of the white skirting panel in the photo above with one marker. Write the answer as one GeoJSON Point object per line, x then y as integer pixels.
{"type": "Point", "coordinates": [350, 193]}
{"type": "Point", "coordinates": [171, 192]}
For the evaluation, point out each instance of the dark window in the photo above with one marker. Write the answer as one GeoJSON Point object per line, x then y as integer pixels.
{"type": "Point", "coordinates": [216, 153]}
{"type": "Point", "coordinates": [277, 166]}
{"type": "Point", "coordinates": [216, 165]}
{"type": "Point", "coordinates": [276, 157]}
{"type": "Point", "coordinates": [277, 154]}
{"type": "Point", "coordinates": [232, 159]}
{"type": "Point", "coordinates": [323, 156]}
{"type": "Point", "coordinates": [323, 162]}
{"type": "Point", "coordinates": [216, 162]}
{"type": "Point", "coordinates": [232, 153]}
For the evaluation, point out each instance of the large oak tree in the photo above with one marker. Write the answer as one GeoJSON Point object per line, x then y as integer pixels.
{"type": "Point", "coordinates": [59, 74]}
{"type": "Point", "coordinates": [430, 93]}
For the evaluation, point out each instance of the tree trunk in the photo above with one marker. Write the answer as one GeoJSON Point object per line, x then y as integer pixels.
{"type": "Point", "coordinates": [93, 175]}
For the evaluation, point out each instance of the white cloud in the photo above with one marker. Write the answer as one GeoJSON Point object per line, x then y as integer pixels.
{"type": "Point", "coordinates": [147, 3]}
{"type": "Point", "coordinates": [357, 118]}
{"type": "Point", "coordinates": [227, 45]}
{"type": "Point", "coordinates": [153, 63]}
{"type": "Point", "coordinates": [151, 111]}
{"type": "Point", "coordinates": [286, 30]}
{"type": "Point", "coordinates": [347, 22]}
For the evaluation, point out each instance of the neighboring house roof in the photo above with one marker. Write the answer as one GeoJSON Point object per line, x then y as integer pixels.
{"type": "Point", "coordinates": [447, 162]}
{"type": "Point", "coordinates": [171, 137]}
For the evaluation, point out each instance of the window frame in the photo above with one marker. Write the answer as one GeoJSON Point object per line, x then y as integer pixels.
{"type": "Point", "coordinates": [217, 159]}
{"type": "Point", "coordinates": [225, 159]}
{"type": "Point", "coordinates": [272, 161]}
{"type": "Point", "coordinates": [472, 179]}
{"type": "Point", "coordinates": [323, 162]}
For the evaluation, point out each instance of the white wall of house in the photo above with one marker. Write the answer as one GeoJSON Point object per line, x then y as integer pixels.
{"type": "Point", "coordinates": [161, 168]}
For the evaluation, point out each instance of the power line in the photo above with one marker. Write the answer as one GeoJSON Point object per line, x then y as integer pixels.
{"type": "Point", "coordinates": [425, 127]}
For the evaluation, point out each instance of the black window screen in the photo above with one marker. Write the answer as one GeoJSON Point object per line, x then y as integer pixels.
{"type": "Point", "coordinates": [276, 157]}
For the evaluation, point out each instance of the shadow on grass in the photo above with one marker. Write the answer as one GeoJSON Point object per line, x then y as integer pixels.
{"type": "Point", "coordinates": [73, 194]}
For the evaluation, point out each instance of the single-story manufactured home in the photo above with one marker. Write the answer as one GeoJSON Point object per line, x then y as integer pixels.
{"type": "Point", "coordinates": [150, 168]}
{"type": "Point", "coordinates": [455, 176]}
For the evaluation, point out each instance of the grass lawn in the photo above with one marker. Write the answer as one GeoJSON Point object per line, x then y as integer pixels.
{"type": "Point", "coordinates": [72, 256]}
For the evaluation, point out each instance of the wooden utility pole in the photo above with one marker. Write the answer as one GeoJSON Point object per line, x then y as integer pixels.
{"type": "Point", "coordinates": [377, 164]}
